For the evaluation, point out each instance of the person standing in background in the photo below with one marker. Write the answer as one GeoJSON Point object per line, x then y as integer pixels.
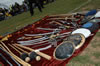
{"type": "Point", "coordinates": [31, 8]}
{"type": "Point", "coordinates": [41, 3]}
{"type": "Point", "coordinates": [25, 6]}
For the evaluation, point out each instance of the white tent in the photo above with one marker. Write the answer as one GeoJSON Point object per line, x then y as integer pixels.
{"type": "Point", "coordinates": [7, 3]}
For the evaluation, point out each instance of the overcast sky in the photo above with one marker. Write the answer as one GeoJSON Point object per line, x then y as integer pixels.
{"type": "Point", "coordinates": [9, 2]}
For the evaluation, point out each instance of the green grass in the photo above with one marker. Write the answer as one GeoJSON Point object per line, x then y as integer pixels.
{"type": "Point", "coordinates": [97, 54]}
{"type": "Point", "coordinates": [80, 59]}
{"type": "Point", "coordinates": [98, 34]}
{"type": "Point", "coordinates": [57, 7]}
{"type": "Point", "coordinates": [95, 44]}
{"type": "Point", "coordinates": [97, 64]}
{"type": "Point", "coordinates": [94, 4]}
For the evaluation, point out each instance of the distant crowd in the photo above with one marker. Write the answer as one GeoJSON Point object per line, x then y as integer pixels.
{"type": "Point", "coordinates": [28, 5]}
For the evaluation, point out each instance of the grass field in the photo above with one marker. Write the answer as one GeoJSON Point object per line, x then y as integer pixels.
{"type": "Point", "coordinates": [89, 57]}
{"type": "Point", "coordinates": [60, 6]}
